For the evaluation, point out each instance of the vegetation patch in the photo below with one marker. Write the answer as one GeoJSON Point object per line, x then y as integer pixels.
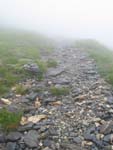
{"type": "Point", "coordinates": [9, 120]}
{"type": "Point", "coordinates": [18, 48]}
{"type": "Point", "coordinates": [102, 55]}
{"type": "Point", "coordinates": [52, 63]}
{"type": "Point", "coordinates": [21, 89]}
{"type": "Point", "coordinates": [58, 91]}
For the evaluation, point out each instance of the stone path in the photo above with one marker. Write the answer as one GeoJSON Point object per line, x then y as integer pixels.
{"type": "Point", "coordinates": [79, 120]}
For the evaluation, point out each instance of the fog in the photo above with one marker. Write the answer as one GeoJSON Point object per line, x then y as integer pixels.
{"type": "Point", "coordinates": [61, 18]}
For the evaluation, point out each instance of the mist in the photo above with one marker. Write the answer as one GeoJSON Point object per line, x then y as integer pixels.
{"type": "Point", "coordinates": [61, 18]}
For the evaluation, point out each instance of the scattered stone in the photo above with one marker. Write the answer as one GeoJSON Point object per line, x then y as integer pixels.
{"type": "Point", "coordinates": [47, 143]}
{"type": "Point", "coordinates": [61, 81]}
{"type": "Point", "coordinates": [77, 140]}
{"type": "Point", "coordinates": [46, 101]}
{"type": "Point", "coordinates": [81, 97]}
{"type": "Point", "coordinates": [91, 72]}
{"type": "Point", "coordinates": [31, 139]}
{"type": "Point", "coordinates": [66, 146]}
{"type": "Point", "coordinates": [108, 138]}
{"type": "Point", "coordinates": [87, 108]}
{"type": "Point", "coordinates": [11, 146]}
{"type": "Point", "coordinates": [6, 101]}
{"type": "Point", "coordinates": [55, 72]}
{"type": "Point", "coordinates": [33, 68]}
{"type": "Point", "coordinates": [47, 148]}
{"type": "Point", "coordinates": [25, 127]}
{"type": "Point", "coordinates": [2, 138]}
{"type": "Point", "coordinates": [76, 92]}
{"type": "Point", "coordinates": [32, 96]}
{"type": "Point", "coordinates": [25, 100]}
{"type": "Point", "coordinates": [110, 100]}
{"type": "Point", "coordinates": [106, 128]}
{"type": "Point", "coordinates": [13, 136]}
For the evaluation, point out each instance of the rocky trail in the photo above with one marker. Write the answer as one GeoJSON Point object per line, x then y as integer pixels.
{"type": "Point", "coordinates": [81, 119]}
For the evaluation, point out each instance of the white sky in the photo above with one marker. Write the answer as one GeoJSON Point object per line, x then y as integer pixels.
{"type": "Point", "coordinates": [68, 18]}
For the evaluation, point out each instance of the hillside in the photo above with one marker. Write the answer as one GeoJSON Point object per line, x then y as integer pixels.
{"type": "Point", "coordinates": [16, 49]}
{"type": "Point", "coordinates": [54, 99]}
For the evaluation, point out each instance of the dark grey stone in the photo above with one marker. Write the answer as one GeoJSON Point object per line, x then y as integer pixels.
{"type": "Point", "coordinates": [55, 72]}
{"type": "Point", "coordinates": [61, 81]}
{"type": "Point", "coordinates": [32, 96]}
{"type": "Point", "coordinates": [13, 136]}
{"type": "Point", "coordinates": [77, 140]}
{"type": "Point", "coordinates": [110, 100]}
{"type": "Point", "coordinates": [53, 131]}
{"type": "Point", "coordinates": [76, 92]}
{"type": "Point", "coordinates": [25, 127]}
{"type": "Point", "coordinates": [47, 143]}
{"type": "Point", "coordinates": [2, 138]}
{"type": "Point", "coordinates": [11, 146]}
{"type": "Point", "coordinates": [106, 128]}
{"type": "Point", "coordinates": [31, 139]}
{"type": "Point", "coordinates": [108, 138]}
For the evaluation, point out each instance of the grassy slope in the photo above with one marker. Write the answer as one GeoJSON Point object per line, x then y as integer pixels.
{"type": "Point", "coordinates": [18, 48]}
{"type": "Point", "coordinates": [102, 55]}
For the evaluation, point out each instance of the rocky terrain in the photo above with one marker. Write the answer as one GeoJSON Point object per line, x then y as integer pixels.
{"type": "Point", "coordinates": [80, 119]}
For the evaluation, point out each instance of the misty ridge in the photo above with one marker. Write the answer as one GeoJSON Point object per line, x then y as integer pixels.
{"type": "Point", "coordinates": [67, 19]}
{"type": "Point", "coordinates": [56, 75]}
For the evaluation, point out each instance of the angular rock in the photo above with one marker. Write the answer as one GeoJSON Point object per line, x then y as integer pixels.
{"type": "Point", "coordinates": [11, 146]}
{"type": "Point", "coordinates": [53, 131]}
{"type": "Point", "coordinates": [91, 72]}
{"type": "Point", "coordinates": [47, 143]}
{"type": "Point", "coordinates": [25, 127]}
{"type": "Point", "coordinates": [32, 96]}
{"type": "Point", "coordinates": [13, 136]}
{"type": "Point", "coordinates": [77, 140]}
{"type": "Point", "coordinates": [110, 100]}
{"type": "Point", "coordinates": [48, 100]}
{"type": "Point", "coordinates": [106, 128]}
{"type": "Point", "coordinates": [108, 138]}
{"type": "Point", "coordinates": [55, 72]}
{"type": "Point", "coordinates": [76, 92]}
{"type": "Point", "coordinates": [62, 81]}
{"type": "Point", "coordinates": [31, 139]}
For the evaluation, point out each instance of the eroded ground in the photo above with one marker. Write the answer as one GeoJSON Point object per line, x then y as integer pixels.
{"type": "Point", "coordinates": [81, 119]}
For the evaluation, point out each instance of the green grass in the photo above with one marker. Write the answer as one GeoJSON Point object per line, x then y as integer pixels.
{"type": "Point", "coordinates": [9, 120]}
{"type": "Point", "coordinates": [52, 63]}
{"type": "Point", "coordinates": [16, 49]}
{"type": "Point", "coordinates": [21, 89]}
{"type": "Point", "coordinates": [102, 55]}
{"type": "Point", "coordinates": [59, 91]}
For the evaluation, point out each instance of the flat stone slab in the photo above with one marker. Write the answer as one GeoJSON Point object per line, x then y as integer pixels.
{"type": "Point", "coordinates": [55, 72]}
